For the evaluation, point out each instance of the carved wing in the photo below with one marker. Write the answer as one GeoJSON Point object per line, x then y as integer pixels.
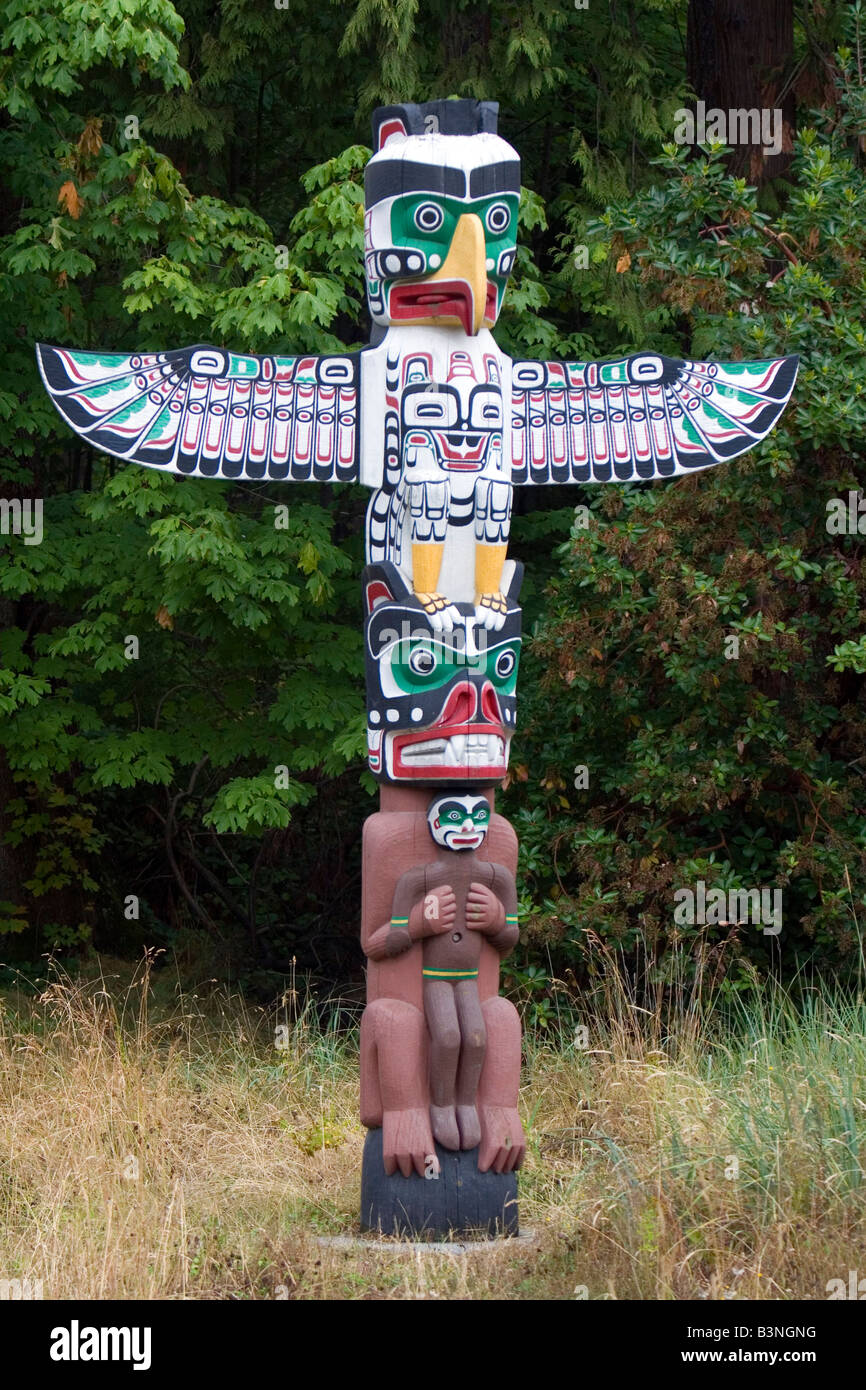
{"type": "Point", "coordinates": [205, 412]}
{"type": "Point", "coordinates": [640, 417]}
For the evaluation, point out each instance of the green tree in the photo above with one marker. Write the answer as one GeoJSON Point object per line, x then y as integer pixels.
{"type": "Point", "coordinates": [703, 655]}
{"type": "Point", "coordinates": [177, 643]}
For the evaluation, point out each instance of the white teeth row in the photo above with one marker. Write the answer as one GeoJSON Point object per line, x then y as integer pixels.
{"type": "Point", "coordinates": [425, 752]}
{"type": "Point", "coordinates": [461, 750]}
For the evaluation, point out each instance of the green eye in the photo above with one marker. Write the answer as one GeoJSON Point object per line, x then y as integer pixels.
{"type": "Point", "coordinates": [502, 667]}
{"type": "Point", "coordinates": [422, 662]}
{"type": "Point", "coordinates": [418, 666]}
{"type": "Point", "coordinates": [497, 218]}
{"type": "Point", "coordinates": [429, 217]}
{"type": "Point", "coordinates": [481, 815]}
{"type": "Point", "coordinates": [455, 815]}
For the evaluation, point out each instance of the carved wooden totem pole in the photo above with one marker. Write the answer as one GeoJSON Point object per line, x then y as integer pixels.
{"type": "Point", "coordinates": [442, 425]}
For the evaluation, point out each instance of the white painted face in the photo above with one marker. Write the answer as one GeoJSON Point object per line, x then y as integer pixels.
{"type": "Point", "coordinates": [459, 822]}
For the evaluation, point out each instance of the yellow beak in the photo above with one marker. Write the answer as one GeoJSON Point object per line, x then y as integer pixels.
{"type": "Point", "coordinates": [467, 261]}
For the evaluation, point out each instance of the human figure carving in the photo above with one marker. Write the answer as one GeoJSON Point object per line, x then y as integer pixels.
{"type": "Point", "coordinates": [449, 905]}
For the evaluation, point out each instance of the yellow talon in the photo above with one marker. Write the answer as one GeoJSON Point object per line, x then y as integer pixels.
{"type": "Point", "coordinates": [432, 602]}
{"type": "Point", "coordinates": [495, 602]}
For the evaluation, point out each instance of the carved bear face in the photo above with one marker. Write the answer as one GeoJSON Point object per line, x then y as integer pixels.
{"type": "Point", "coordinates": [441, 707]}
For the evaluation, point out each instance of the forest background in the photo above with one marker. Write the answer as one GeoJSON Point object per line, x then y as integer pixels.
{"type": "Point", "coordinates": [172, 174]}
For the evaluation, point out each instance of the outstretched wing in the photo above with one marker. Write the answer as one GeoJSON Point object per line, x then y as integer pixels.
{"type": "Point", "coordinates": [640, 417]}
{"type": "Point", "coordinates": [213, 414]}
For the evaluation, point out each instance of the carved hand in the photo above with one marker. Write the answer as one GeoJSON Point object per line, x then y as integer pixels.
{"type": "Point", "coordinates": [434, 913]}
{"type": "Point", "coordinates": [484, 911]}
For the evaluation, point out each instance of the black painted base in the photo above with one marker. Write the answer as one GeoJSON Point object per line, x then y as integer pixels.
{"type": "Point", "coordinates": [461, 1201]}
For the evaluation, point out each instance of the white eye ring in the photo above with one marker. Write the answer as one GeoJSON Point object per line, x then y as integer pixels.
{"type": "Point", "coordinates": [422, 661]}
{"type": "Point", "coordinates": [504, 664]}
{"type": "Point", "coordinates": [497, 218]}
{"type": "Point", "coordinates": [429, 217]}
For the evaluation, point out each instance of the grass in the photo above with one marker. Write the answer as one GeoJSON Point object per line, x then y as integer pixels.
{"type": "Point", "coordinates": [163, 1143]}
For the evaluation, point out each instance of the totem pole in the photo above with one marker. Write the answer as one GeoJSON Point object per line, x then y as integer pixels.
{"type": "Point", "coordinates": [441, 424]}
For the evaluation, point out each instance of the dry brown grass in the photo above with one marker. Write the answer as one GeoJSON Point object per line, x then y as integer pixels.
{"type": "Point", "coordinates": [157, 1144]}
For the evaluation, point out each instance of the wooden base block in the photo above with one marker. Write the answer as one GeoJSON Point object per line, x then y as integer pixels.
{"type": "Point", "coordinates": [459, 1202]}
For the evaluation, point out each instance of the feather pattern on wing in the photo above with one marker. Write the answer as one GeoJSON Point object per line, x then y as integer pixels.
{"type": "Point", "coordinates": [205, 412]}
{"type": "Point", "coordinates": [641, 417]}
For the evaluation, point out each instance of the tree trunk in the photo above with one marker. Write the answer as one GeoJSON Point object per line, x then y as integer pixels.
{"type": "Point", "coordinates": [739, 56]}
{"type": "Point", "coordinates": [10, 880]}
{"type": "Point", "coordinates": [466, 31]}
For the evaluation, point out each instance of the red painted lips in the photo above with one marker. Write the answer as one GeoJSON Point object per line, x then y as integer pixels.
{"type": "Point", "coordinates": [426, 299]}
{"type": "Point", "coordinates": [444, 749]}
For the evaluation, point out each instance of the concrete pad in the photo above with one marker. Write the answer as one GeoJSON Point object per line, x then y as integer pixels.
{"type": "Point", "coordinates": [426, 1247]}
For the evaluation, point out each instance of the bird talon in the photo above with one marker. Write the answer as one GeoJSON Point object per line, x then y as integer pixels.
{"type": "Point", "coordinates": [432, 602]}
{"type": "Point", "coordinates": [495, 602]}
{"type": "Point", "coordinates": [491, 610]}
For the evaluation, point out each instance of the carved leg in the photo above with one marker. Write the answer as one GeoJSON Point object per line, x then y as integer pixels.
{"type": "Point", "coordinates": [428, 506]}
{"type": "Point", "coordinates": [503, 1144]}
{"type": "Point", "coordinates": [441, 1010]}
{"type": "Point", "coordinates": [492, 516]}
{"type": "Point", "coordinates": [393, 1047]}
{"type": "Point", "coordinates": [426, 563]}
{"type": "Point", "coordinates": [371, 1091]}
{"type": "Point", "coordinates": [473, 1036]}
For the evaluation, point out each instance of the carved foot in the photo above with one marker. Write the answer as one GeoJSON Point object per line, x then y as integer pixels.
{"type": "Point", "coordinates": [443, 614]}
{"type": "Point", "coordinates": [444, 1120]}
{"type": "Point", "coordinates": [503, 1143]}
{"type": "Point", "coordinates": [469, 1126]}
{"type": "Point", "coordinates": [407, 1142]}
{"type": "Point", "coordinates": [490, 610]}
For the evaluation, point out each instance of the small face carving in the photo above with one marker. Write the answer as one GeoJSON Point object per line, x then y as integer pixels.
{"type": "Point", "coordinates": [453, 426]}
{"type": "Point", "coordinates": [459, 822]}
